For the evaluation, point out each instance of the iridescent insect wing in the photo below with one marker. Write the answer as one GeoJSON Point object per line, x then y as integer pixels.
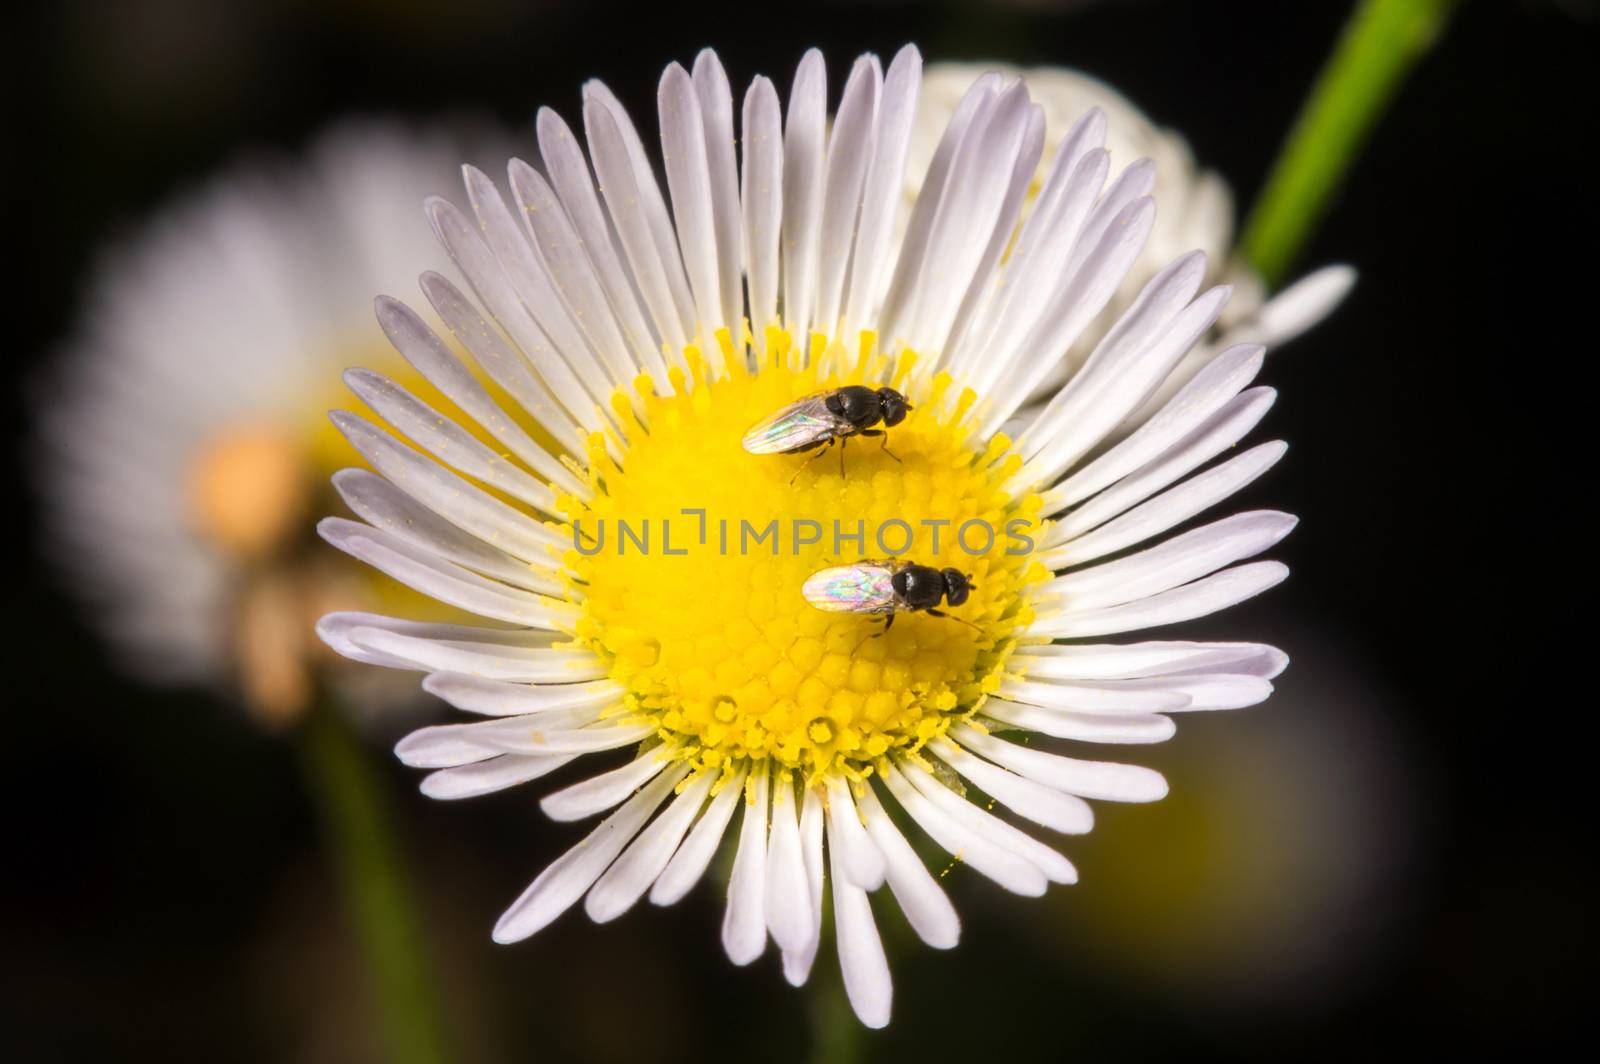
{"type": "Point", "coordinates": [861, 588]}
{"type": "Point", "coordinates": [802, 424]}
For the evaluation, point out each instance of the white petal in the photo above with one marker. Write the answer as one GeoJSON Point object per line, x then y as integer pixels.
{"type": "Point", "coordinates": [382, 505]}
{"type": "Point", "coordinates": [1156, 658]}
{"type": "Point", "coordinates": [1137, 180]}
{"type": "Point", "coordinates": [1034, 273]}
{"type": "Point", "coordinates": [493, 660]}
{"type": "Point", "coordinates": [689, 863]}
{"type": "Point", "coordinates": [1014, 873]}
{"type": "Point", "coordinates": [529, 272]}
{"type": "Point", "coordinates": [1300, 306]}
{"type": "Point", "coordinates": [1169, 509]}
{"type": "Point", "coordinates": [880, 198]}
{"type": "Point", "coordinates": [445, 581]}
{"type": "Point", "coordinates": [569, 174]}
{"type": "Point", "coordinates": [1198, 400]}
{"type": "Point", "coordinates": [861, 858]}
{"type": "Point", "coordinates": [507, 367]}
{"type": "Point", "coordinates": [580, 392]}
{"type": "Point", "coordinates": [1077, 303]}
{"type": "Point", "coordinates": [642, 187]}
{"type": "Point", "coordinates": [448, 745]}
{"type": "Point", "coordinates": [519, 736]}
{"type": "Point", "coordinates": [607, 790]}
{"type": "Point", "coordinates": [571, 874]}
{"type": "Point", "coordinates": [1055, 867]}
{"type": "Point", "coordinates": [334, 629]}
{"type": "Point", "coordinates": [1104, 780]}
{"type": "Point", "coordinates": [762, 193]}
{"type": "Point", "coordinates": [1193, 690]}
{"type": "Point", "coordinates": [454, 499]}
{"type": "Point", "coordinates": [1085, 138]}
{"type": "Point", "coordinates": [981, 176]}
{"type": "Point", "coordinates": [797, 963]}
{"type": "Point", "coordinates": [1218, 433]}
{"type": "Point", "coordinates": [804, 159]}
{"type": "Point", "coordinates": [626, 881]}
{"type": "Point", "coordinates": [1194, 554]}
{"type": "Point", "coordinates": [633, 200]}
{"type": "Point", "coordinates": [1084, 727]}
{"type": "Point", "coordinates": [567, 282]}
{"type": "Point", "coordinates": [981, 291]}
{"type": "Point", "coordinates": [926, 906]}
{"type": "Point", "coordinates": [495, 774]}
{"type": "Point", "coordinates": [1066, 813]}
{"type": "Point", "coordinates": [412, 337]}
{"type": "Point", "coordinates": [849, 153]}
{"type": "Point", "coordinates": [1220, 691]}
{"type": "Point", "coordinates": [861, 957]}
{"type": "Point", "coordinates": [1090, 699]}
{"type": "Point", "coordinates": [908, 268]}
{"type": "Point", "coordinates": [443, 746]}
{"type": "Point", "coordinates": [1215, 592]}
{"type": "Point", "coordinates": [744, 922]}
{"type": "Point", "coordinates": [683, 147]}
{"type": "Point", "coordinates": [716, 110]}
{"type": "Point", "coordinates": [496, 698]}
{"type": "Point", "coordinates": [1163, 300]}
{"type": "Point", "coordinates": [788, 901]}
{"type": "Point", "coordinates": [1124, 371]}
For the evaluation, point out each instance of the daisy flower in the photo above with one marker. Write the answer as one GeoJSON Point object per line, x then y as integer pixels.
{"type": "Point", "coordinates": [1196, 206]}
{"type": "Point", "coordinates": [642, 578]}
{"type": "Point", "coordinates": [185, 444]}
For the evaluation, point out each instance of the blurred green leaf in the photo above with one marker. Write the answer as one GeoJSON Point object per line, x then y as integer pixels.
{"type": "Point", "coordinates": [360, 838]}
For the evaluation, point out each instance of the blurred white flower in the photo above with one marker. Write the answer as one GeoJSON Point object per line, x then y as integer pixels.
{"type": "Point", "coordinates": [1195, 208]}
{"type": "Point", "coordinates": [183, 443]}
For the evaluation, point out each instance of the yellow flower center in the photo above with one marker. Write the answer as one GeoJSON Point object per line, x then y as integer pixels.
{"type": "Point", "coordinates": [249, 487]}
{"type": "Point", "coordinates": [692, 553]}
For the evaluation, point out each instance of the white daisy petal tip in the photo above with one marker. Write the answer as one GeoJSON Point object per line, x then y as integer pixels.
{"type": "Point", "coordinates": [1304, 303]}
{"type": "Point", "coordinates": [333, 629]}
{"type": "Point", "coordinates": [441, 746]}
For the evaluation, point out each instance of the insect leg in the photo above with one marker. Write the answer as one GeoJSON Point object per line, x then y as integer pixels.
{"type": "Point", "coordinates": [883, 438]}
{"type": "Point", "coordinates": [821, 448]}
{"type": "Point", "coordinates": [949, 617]}
{"type": "Point", "coordinates": [888, 623]}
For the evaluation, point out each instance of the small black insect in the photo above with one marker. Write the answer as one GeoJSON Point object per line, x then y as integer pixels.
{"type": "Point", "coordinates": [887, 588]}
{"type": "Point", "coordinates": [818, 421]}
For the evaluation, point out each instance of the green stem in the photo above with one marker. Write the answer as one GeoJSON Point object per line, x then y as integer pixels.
{"type": "Point", "coordinates": [837, 1037]}
{"type": "Point", "coordinates": [358, 834]}
{"type": "Point", "coordinates": [1382, 41]}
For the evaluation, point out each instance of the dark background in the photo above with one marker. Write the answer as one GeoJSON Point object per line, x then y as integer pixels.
{"type": "Point", "coordinates": [166, 898]}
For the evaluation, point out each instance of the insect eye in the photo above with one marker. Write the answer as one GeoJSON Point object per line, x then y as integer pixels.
{"type": "Point", "coordinates": [956, 586]}
{"type": "Point", "coordinates": [893, 405]}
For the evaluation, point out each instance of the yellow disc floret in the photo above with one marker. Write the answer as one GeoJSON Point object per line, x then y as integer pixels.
{"type": "Point", "coordinates": [691, 556]}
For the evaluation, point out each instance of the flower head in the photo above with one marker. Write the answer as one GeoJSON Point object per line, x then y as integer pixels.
{"type": "Point", "coordinates": [182, 523]}
{"type": "Point", "coordinates": [647, 573]}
